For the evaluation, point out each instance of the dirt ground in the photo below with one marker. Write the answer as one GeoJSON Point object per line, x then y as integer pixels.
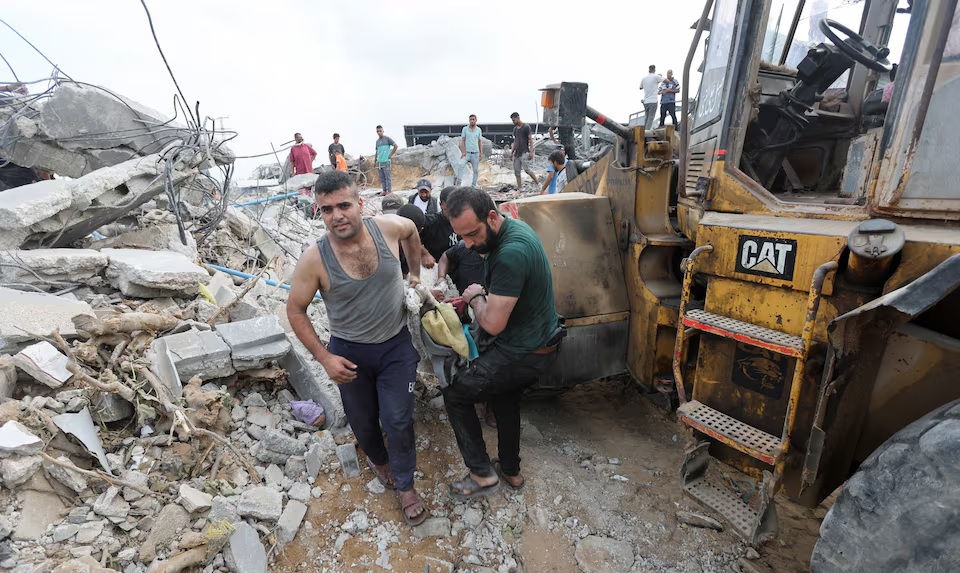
{"type": "Point", "coordinates": [600, 460]}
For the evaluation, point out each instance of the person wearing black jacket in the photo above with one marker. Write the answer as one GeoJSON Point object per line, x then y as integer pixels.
{"type": "Point", "coordinates": [437, 235]}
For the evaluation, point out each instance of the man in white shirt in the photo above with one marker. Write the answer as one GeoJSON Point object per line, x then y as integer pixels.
{"type": "Point", "coordinates": [650, 86]}
{"type": "Point", "coordinates": [422, 198]}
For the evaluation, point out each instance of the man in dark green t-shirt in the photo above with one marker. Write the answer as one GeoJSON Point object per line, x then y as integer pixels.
{"type": "Point", "coordinates": [517, 308]}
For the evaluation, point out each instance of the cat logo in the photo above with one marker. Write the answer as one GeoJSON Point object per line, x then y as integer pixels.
{"type": "Point", "coordinates": [766, 257]}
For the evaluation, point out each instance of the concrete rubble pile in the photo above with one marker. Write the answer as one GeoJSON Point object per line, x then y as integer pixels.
{"type": "Point", "coordinates": [154, 411]}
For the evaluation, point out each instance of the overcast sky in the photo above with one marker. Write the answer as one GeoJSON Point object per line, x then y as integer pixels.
{"type": "Point", "coordinates": [274, 68]}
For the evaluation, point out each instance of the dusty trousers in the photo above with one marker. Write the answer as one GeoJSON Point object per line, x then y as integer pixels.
{"type": "Point", "coordinates": [381, 396]}
{"type": "Point", "coordinates": [499, 378]}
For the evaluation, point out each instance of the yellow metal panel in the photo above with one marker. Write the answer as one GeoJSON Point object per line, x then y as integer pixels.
{"type": "Point", "coordinates": [577, 233]}
{"type": "Point", "coordinates": [776, 308]}
{"type": "Point", "coordinates": [811, 252]}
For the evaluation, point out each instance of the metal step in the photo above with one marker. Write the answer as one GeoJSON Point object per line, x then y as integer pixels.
{"type": "Point", "coordinates": [732, 432]}
{"type": "Point", "coordinates": [745, 332]}
{"type": "Point", "coordinates": [755, 520]}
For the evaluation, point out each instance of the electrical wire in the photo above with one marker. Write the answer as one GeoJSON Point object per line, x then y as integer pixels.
{"type": "Point", "coordinates": [164, 57]}
{"type": "Point", "coordinates": [11, 69]}
{"type": "Point", "coordinates": [4, 22]}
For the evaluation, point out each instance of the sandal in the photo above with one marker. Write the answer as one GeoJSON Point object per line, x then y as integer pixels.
{"type": "Point", "coordinates": [411, 499]}
{"type": "Point", "coordinates": [504, 477]}
{"type": "Point", "coordinates": [468, 488]}
{"type": "Point", "coordinates": [383, 473]}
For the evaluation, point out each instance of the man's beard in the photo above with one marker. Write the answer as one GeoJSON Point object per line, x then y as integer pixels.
{"type": "Point", "coordinates": [490, 242]}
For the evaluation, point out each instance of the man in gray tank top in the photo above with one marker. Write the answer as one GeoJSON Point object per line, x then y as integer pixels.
{"type": "Point", "coordinates": [370, 356]}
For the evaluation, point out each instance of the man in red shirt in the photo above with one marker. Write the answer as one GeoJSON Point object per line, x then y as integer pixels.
{"type": "Point", "coordinates": [301, 156]}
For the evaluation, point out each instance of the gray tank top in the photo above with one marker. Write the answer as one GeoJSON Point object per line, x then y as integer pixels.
{"type": "Point", "coordinates": [371, 310]}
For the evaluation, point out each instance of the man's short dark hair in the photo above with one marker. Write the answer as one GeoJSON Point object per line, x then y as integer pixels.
{"type": "Point", "coordinates": [557, 156]}
{"type": "Point", "coordinates": [379, 127]}
{"type": "Point", "coordinates": [332, 181]}
{"type": "Point", "coordinates": [445, 193]}
{"type": "Point", "coordinates": [653, 69]}
{"type": "Point", "coordinates": [413, 213]}
{"type": "Point", "coordinates": [514, 115]}
{"type": "Point", "coordinates": [473, 115]}
{"type": "Point", "coordinates": [336, 135]}
{"type": "Point", "coordinates": [477, 200]}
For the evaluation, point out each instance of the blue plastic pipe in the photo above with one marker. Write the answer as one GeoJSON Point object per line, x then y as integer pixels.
{"type": "Point", "coordinates": [266, 199]}
{"type": "Point", "coordinates": [249, 276]}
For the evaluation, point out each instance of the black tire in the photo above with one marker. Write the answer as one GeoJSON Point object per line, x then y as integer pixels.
{"type": "Point", "coordinates": [901, 510]}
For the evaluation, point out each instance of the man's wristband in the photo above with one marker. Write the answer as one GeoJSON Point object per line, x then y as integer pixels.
{"type": "Point", "coordinates": [470, 301]}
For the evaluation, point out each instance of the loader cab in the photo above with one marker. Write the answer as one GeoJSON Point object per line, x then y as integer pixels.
{"type": "Point", "coordinates": [799, 100]}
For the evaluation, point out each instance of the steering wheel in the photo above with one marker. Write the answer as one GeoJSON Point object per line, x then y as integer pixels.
{"type": "Point", "coordinates": [855, 46]}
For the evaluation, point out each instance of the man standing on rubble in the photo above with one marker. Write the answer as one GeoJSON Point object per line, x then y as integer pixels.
{"type": "Point", "coordinates": [301, 156]}
{"type": "Point", "coordinates": [669, 89]}
{"type": "Point", "coordinates": [522, 151]}
{"type": "Point", "coordinates": [650, 85]}
{"type": "Point", "coordinates": [336, 152]}
{"type": "Point", "coordinates": [471, 144]}
{"type": "Point", "coordinates": [370, 355]}
{"type": "Point", "coordinates": [517, 308]}
{"type": "Point", "coordinates": [386, 147]}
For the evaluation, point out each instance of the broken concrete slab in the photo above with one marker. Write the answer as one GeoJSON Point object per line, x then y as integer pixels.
{"type": "Point", "coordinates": [313, 384]}
{"type": "Point", "coordinates": [44, 363]}
{"type": "Point", "coordinates": [8, 377]}
{"type": "Point", "coordinates": [58, 265]}
{"type": "Point", "coordinates": [245, 552]}
{"type": "Point", "coordinates": [281, 443]}
{"type": "Point", "coordinates": [603, 555]}
{"type": "Point", "coordinates": [244, 309]}
{"type": "Point", "coordinates": [260, 502]}
{"type": "Point", "coordinates": [39, 510]}
{"type": "Point", "coordinates": [198, 353]}
{"type": "Point", "coordinates": [15, 438]}
{"type": "Point", "coordinates": [169, 523]}
{"type": "Point", "coordinates": [27, 316]}
{"type": "Point", "coordinates": [111, 504]}
{"type": "Point", "coordinates": [194, 500]}
{"type": "Point", "coordinates": [16, 470]}
{"type": "Point", "coordinates": [290, 520]}
{"type": "Point", "coordinates": [433, 527]}
{"type": "Point", "coordinates": [153, 274]}
{"type": "Point", "coordinates": [347, 453]}
{"type": "Point", "coordinates": [73, 480]}
{"type": "Point", "coordinates": [165, 237]}
{"type": "Point", "coordinates": [112, 408]}
{"type": "Point", "coordinates": [254, 342]}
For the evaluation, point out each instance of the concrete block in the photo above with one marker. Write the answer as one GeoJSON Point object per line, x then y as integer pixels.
{"type": "Point", "coordinates": [254, 342]}
{"type": "Point", "coordinates": [194, 500]}
{"type": "Point", "coordinates": [261, 502]}
{"type": "Point", "coordinates": [44, 363]}
{"type": "Point", "coordinates": [24, 316]}
{"type": "Point", "coordinates": [64, 265]}
{"type": "Point", "coordinates": [164, 368]}
{"type": "Point", "coordinates": [290, 520]}
{"type": "Point", "coordinates": [16, 470]}
{"type": "Point", "coordinates": [40, 510]}
{"type": "Point", "coordinates": [165, 237]}
{"type": "Point", "coordinates": [197, 353]}
{"type": "Point", "coordinates": [8, 377]}
{"type": "Point", "coordinates": [244, 552]}
{"type": "Point", "coordinates": [153, 274]}
{"type": "Point", "coordinates": [15, 438]}
{"type": "Point", "coordinates": [28, 204]}
{"type": "Point", "coordinates": [348, 460]}
{"type": "Point", "coordinates": [112, 408]}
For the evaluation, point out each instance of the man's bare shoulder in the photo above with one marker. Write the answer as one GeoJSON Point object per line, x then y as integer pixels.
{"type": "Point", "coordinates": [391, 226]}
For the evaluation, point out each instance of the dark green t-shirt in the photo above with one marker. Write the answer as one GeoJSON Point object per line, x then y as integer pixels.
{"type": "Point", "coordinates": [519, 268]}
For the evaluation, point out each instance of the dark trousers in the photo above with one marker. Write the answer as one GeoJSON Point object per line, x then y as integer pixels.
{"type": "Point", "coordinates": [498, 378]}
{"type": "Point", "coordinates": [670, 108]}
{"type": "Point", "coordinates": [381, 396]}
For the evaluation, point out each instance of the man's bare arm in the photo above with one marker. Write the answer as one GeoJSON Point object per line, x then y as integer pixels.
{"type": "Point", "coordinates": [546, 182]}
{"type": "Point", "coordinates": [443, 267]}
{"type": "Point", "coordinates": [303, 286]}
{"type": "Point", "coordinates": [400, 229]}
{"type": "Point", "coordinates": [493, 311]}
